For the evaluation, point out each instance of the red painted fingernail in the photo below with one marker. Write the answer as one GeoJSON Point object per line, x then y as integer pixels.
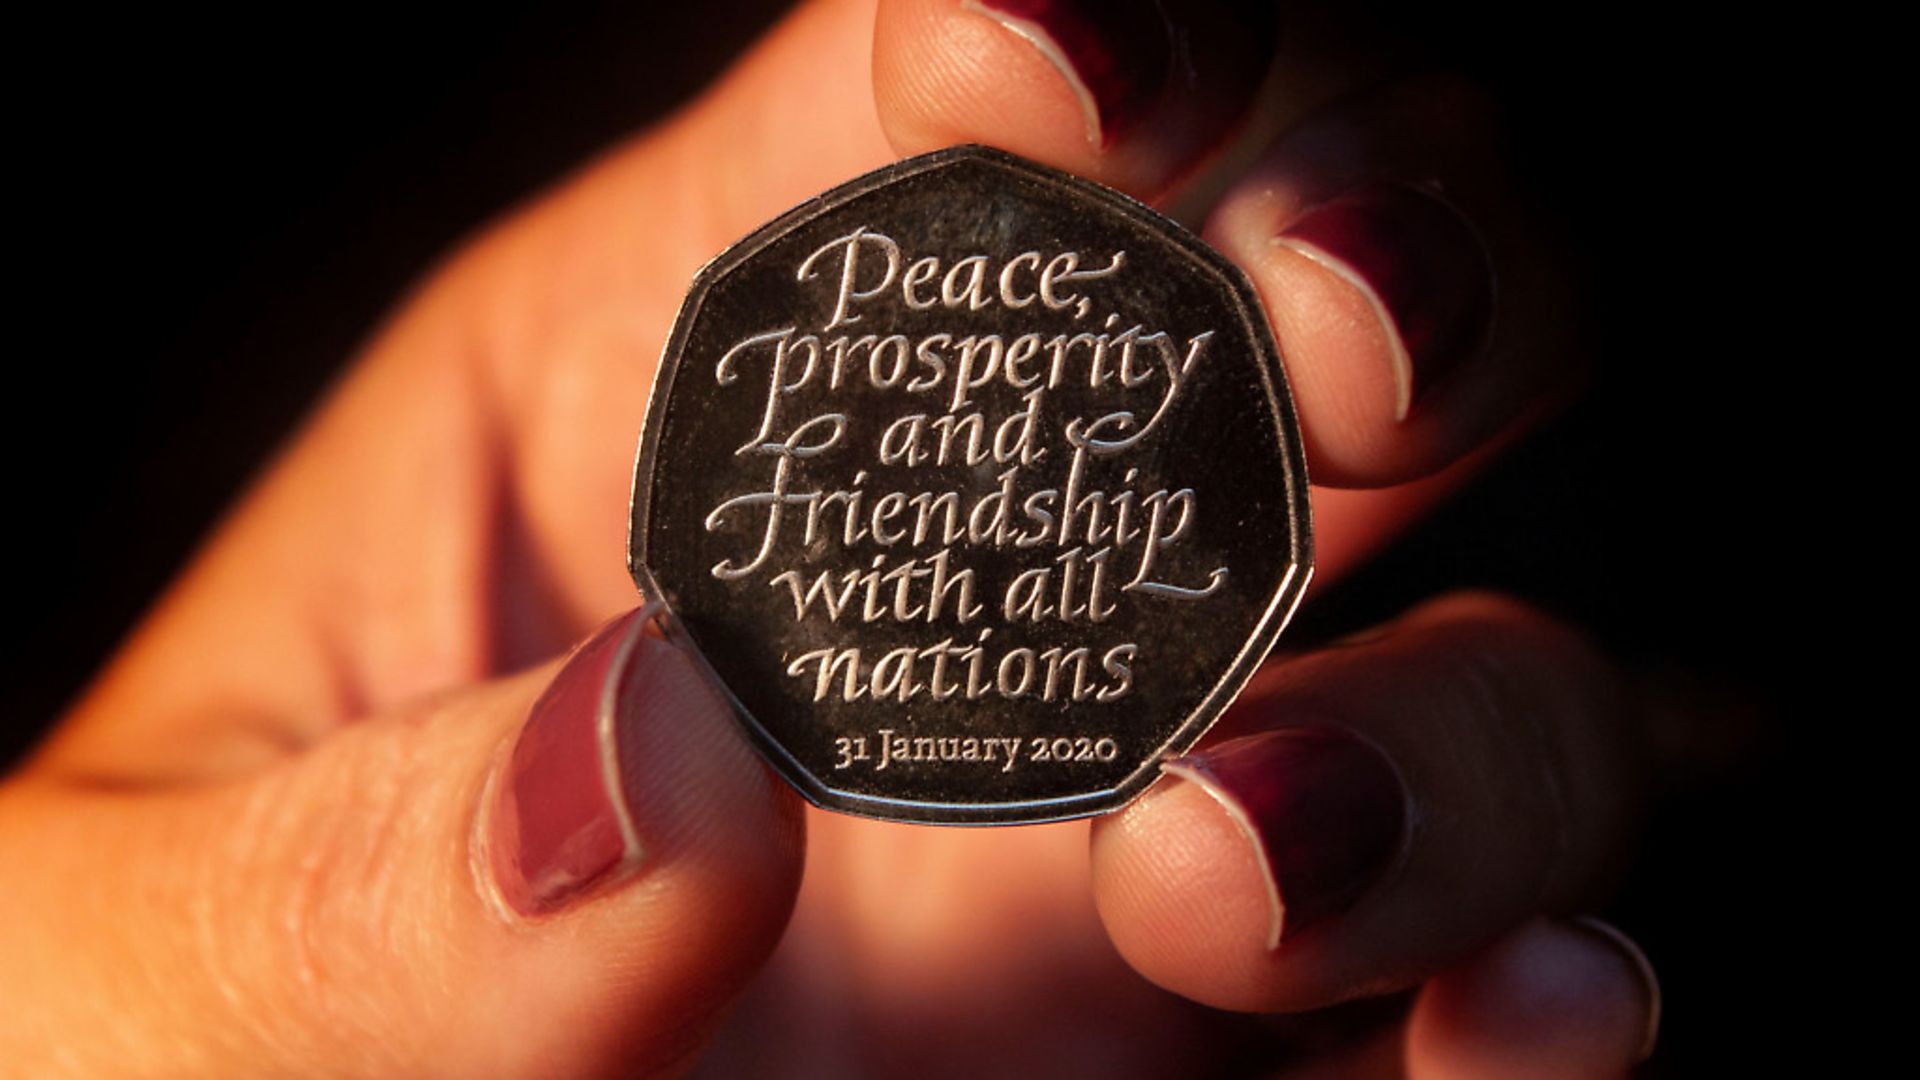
{"type": "Point", "coordinates": [1325, 810]}
{"type": "Point", "coordinates": [561, 825]}
{"type": "Point", "coordinates": [1422, 267]}
{"type": "Point", "coordinates": [1116, 54]}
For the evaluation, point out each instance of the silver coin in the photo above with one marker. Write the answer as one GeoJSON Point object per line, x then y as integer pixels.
{"type": "Point", "coordinates": [978, 488]}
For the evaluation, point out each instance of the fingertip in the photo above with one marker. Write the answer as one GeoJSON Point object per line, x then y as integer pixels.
{"type": "Point", "coordinates": [693, 783]}
{"type": "Point", "coordinates": [1553, 999]}
{"type": "Point", "coordinates": [630, 761]}
{"type": "Point", "coordinates": [1185, 898]}
{"type": "Point", "coordinates": [1378, 295]}
{"type": "Point", "coordinates": [1219, 888]}
{"type": "Point", "coordinates": [1398, 802]}
{"type": "Point", "coordinates": [724, 836]}
{"type": "Point", "coordinates": [1347, 374]}
{"type": "Point", "coordinates": [646, 861]}
{"type": "Point", "coordinates": [1130, 93]}
{"type": "Point", "coordinates": [1417, 290]}
{"type": "Point", "coordinates": [946, 73]}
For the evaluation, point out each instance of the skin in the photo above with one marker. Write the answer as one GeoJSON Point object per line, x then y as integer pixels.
{"type": "Point", "coordinates": [248, 848]}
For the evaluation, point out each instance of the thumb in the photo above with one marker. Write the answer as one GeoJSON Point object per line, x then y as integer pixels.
{"type": "Point", "coordinates": [567, 872]}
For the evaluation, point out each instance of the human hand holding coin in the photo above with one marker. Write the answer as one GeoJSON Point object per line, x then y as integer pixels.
{"type": "Point", "coordinates": [278, 833]}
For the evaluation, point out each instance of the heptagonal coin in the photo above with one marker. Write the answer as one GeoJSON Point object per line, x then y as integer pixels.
{"type": "Point", "coordinates": [978, 488]}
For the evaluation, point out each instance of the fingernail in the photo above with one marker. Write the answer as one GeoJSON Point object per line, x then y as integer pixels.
{"type": "Point", "coordinates": [1642, 970]}
{"type": "Point", "coordinates": [1422, 268]}
{"type": "Point", "coordinates": [1115, 54]}
{"type": "Point", "coordinates": [561, 826]}
{"type": "Point", "coordinates": [1326, 813]}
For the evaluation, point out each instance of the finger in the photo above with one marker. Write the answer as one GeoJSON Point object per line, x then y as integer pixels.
{"type": "Point", "coordinates": [446, 891]}
{"type": "Point", "coordinates": [1413, 290]}
{"type": "Point", "coordinates": [1574, 1000]}
{"type": "Point", "coordinates": [1370, 815]}
{"type": "Point", "coordinates": [1414, 284]}
{"type": "Point", "coordinates": [1131, 93]}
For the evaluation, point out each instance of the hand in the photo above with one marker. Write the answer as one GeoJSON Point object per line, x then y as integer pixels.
{"type": "Point", "coordinates": [251, 847]}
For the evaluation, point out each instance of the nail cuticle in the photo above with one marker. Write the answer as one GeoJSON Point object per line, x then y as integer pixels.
{"type": "Point", "coordinates": [1115, 57]}
{"type": "Point", "coordinates": [1196, 774]}
{"type": "Point", "coordinates": [1636, 958]}
{"type": "Point", "coordinates": [607, 728]}
{"type": "Point", "coordinates": [1327, 814]}
{"type": "Point", "coordinates": [1422, 268]}
{"type": "Point", "coordinates": [560, 824]}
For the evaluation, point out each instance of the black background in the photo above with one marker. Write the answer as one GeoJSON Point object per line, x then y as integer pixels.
{"type": "Point", "coordinates": [214, 210]}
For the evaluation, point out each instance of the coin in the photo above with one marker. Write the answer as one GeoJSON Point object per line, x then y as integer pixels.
{"type": "Point", "coordinates": [977, 486]}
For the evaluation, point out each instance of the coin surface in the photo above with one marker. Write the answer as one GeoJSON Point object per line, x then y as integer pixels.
{"type": "Point", "coordinates": [977, 486]}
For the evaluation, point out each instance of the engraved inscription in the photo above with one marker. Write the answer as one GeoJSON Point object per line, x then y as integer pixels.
{"type": "Point", "coordinates": [902, 552]}
{"type": "Point", "coordinates": [886, 747]}
{"type": "Point", "coordinates": [975, 486]}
